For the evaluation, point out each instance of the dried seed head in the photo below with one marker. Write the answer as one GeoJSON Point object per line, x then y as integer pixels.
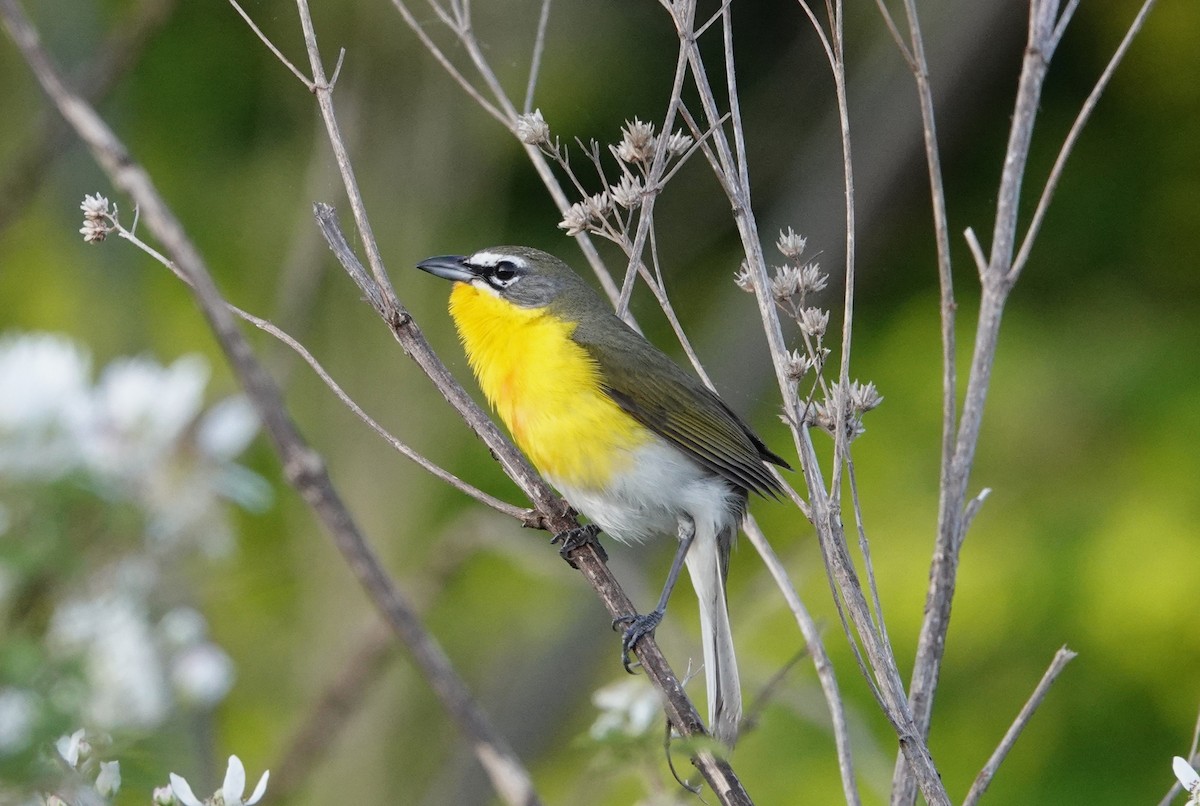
{"type": "Point", "coordinates": [637, 142]}
{"type": "Point", "coordinates": [575, 221]}
{"type": "Point", "coordinates": [744, 279]}
{"type": "Point", "coordinates": [532, 128]}
{"type": "Point", "coordinates": [598, 205]}
{"type": "Point", "coordinates": [584, 215]}
{"type": "Point", "coordinates": [797, 365]}
{"type": "Point", "coordinates": [94, 230]}
{"type": "Point", "coordinates": [813, 321]}
{"type": "Point", "coordinates": [627, 192]}
{"type": "Point", "coordinates": [790, 244]}
{"type": "Point", "coordinates": [864, 397]}
{"type": "Point", "coordinates": [678, 144]}
{"type": "Point", "coordinates": [846, 403]}
{"type": "Point", "coordinates": [811, 279]}
{"type": "Point", "coordinates": [94, 207]}
{"type": "Point", "coordinates": [786, 282]}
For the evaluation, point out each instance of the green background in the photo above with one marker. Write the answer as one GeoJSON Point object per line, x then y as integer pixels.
{"type": "Point", "coordinates": [1088, 538]}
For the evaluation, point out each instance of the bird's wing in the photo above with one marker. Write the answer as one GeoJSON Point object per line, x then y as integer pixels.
{"type": "Point", "coordinates": [677, 407]}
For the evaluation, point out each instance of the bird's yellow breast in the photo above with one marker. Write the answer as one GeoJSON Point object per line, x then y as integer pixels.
{"type": "Point", "coordinates": [546, 389]}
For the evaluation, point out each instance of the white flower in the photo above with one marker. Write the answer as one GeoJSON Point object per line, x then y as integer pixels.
{"type": "Point", "coordinates": [230, 793]}
{"type": "Point", "coordinates": [182, 626]}
{"type": "Point", "coordinates": [112, 634]}
{"type": "Point", "coordinates": [164, 796]}
{"type": "Point", "coordinates": [227, 428]}
{"type": "Point", "coordinates": [45, 408]}
{"type": "Point", "coordinates": [182, 791]}
{"type": "Point", "coordinates": [142, 409]}
{"type": "Point", "coordinates": [108, 781]}
{"type": "Point", "coordinates": [532, 128]}
{"type": "Point", "coordinates": [575, 221]}
{"type": "Point", "coordinates": [629, 707]}
{"type": "Point", "coordinates": [1187, 777]}
{"type": "Point", "coordinates": [72, 747]}
{"type": "Point", "coordinates": [202, 674]}
{"type": "Point", "coordinates": [18, 711]}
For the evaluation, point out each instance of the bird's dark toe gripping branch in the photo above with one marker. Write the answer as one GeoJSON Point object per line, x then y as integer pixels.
{"type": "Point", "coordinates": [633, 442]}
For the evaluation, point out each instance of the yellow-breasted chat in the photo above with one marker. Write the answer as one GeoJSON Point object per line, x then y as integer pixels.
{"type": "Point", "coordinates": [631, 440]}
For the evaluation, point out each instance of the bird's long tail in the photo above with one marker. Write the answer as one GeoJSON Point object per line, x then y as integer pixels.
{"type": "Point", "coordinates": [706, 566]}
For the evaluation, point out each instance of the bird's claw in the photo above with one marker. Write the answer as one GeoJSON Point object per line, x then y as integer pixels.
{"type": "Point", "coordinates": [575, 537]}
{"type": "Point", "coordinates": [636, 628]}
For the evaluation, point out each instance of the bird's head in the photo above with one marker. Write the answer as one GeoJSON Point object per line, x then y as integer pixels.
{"type": "Point", "coordinates": [525, 277]}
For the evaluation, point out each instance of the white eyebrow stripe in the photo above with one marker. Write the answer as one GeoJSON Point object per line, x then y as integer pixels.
{"type": "Point", "coordinates": [495, 258]}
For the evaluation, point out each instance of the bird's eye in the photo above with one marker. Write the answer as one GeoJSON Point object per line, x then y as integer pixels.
{"type": "Point", "coordinates": [505, 272]}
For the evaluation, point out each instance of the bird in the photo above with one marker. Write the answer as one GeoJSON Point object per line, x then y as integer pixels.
{"type": "Point", "coordinates": [639, 446]}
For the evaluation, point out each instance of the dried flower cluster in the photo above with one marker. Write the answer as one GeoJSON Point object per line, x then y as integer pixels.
{"type": "Point", "coordinates": [845, 403]}
{"type": "Point", "coordinates": [607, 213]}
{"type": "Point", "coordinates": [97, 219]}
{"type": "Point", "coordinates": [532, 128]}
{"type": "Point", "coordinates": [791, 286]}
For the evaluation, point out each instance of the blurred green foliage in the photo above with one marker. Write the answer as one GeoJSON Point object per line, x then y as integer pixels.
{"type": "Point", "coordinates": [1088, 538]}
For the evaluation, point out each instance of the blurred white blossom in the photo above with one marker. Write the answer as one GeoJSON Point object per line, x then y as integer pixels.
{"type": "Point", "coordinates": [181, 627]}
{"type": "Point", "coordinates": [18, 710]}
{"type": "Point", "coordinates": [629, 708]}
{"type": "Point", "coordinates": [72, 748]}
{"type": "Point", "coordinates": [45, 407]}
{"type": "Point", "coordinates": [202, 674]}
{"type": "Point", "coordinates": [108, 780]}
{"type": "Point", "coordinates": [137, 472]}
{"type": "Point", "coordinates": [124, 670]}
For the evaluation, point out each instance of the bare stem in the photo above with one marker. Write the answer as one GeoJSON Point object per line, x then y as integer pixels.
{"type": "Point", "coordinates": [984, 779]}
{"type": "Point", "coordinates": [302, 467]}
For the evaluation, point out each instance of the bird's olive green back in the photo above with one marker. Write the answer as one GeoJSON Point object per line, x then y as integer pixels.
{"type": "Point", "coordinates": [657, 393]}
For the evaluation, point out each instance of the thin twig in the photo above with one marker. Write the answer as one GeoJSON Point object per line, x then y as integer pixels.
{"type": "Point", "coordinates": [735, 181]}
{"type": "Point", "coordinates": [816, 648]}
{"type": "Point", "coordinates": [271, 46]}
{"type": "Point", "coordinates": [535, 61]}
{"type": "Point", "coordinates": [1044, 33]}
{"type": "Point", "coordinates": [520, 514]}
{"type": "Point", "coordinates": [302, 467]}
{"type": "Point", "coordinates": [51, 135]}
{"type": "Point", "coordinates": [1085, 113]}
{"type": "Point", "coordinates": [976, 250]}
{"type": "Point", "coordinates": [984, 779]}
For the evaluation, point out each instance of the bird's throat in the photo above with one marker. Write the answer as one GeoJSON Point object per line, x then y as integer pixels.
{"type": "Point", "coordinates": [545, 387]}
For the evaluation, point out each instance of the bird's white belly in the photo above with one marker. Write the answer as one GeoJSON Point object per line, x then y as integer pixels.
{"type": "Point", "coordinates": [646, 500]}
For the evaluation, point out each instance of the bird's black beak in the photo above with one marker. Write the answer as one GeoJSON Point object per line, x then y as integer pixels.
{"type": "Point", "coordinates": [449, 267]}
